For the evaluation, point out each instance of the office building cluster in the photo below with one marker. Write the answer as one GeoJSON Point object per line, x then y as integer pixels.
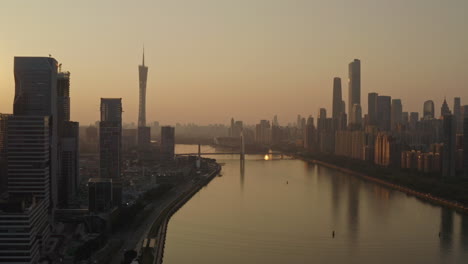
{"type": "Point", "coordinates": [386, 135]}
{"type": "Point", "coordinates": [39, 158]}
{"type": "Point", "coordinates": [41, 182]}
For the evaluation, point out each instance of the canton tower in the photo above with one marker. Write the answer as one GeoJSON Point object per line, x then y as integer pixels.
{"type": "Point", "coordinates": [143, 74]}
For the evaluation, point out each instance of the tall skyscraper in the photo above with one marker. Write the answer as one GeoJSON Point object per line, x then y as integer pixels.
{"type": "Point", "coordinates": [68, 143]}
{"type": "Point", "coordinates": [110, 137]}
{"type": "Point", "coordinates": [448, 157]}
{"type": "Point", "coordinates": [384, 107]}
{"type": "Point", "coordinates": [69, 163]}
{"type": "Point", "coordinates": [397, 111]}
{"type": "Point", "coordinates": [336, 100]}
{"type": "Point", "coordinates": [144, 132]}
{"type": "Point", "coordinates": [465, 145]}
{"type": "Point", "coordinates": [457, 114]}
{"type": "Point", "coordinates": [110, 144]}
{"type": "Point", "coordinates": [428, 110]}
{"type": "Point", "coordinates": [322, 119]}
{"type": "Point", "coordinates": [372, 108]}
{"type": "Point", "coordinates": [445, 110]}
{"type": "Point", "coordinates": [167, 143]}
{"type": "Point", "coordinates": [36, 95]}
{"type": "Point", "coordinates": [354, 86]}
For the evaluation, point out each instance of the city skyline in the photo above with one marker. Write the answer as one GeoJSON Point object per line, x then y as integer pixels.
{"type": "Point", "coordinates": [289, 63]}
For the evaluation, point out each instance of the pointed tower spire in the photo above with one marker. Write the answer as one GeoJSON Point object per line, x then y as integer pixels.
{"type": "Point", "coordinates": [143, 55]}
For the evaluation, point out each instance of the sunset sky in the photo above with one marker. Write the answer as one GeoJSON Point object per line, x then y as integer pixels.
{"type": "Point", "coordinates": [210, 60]}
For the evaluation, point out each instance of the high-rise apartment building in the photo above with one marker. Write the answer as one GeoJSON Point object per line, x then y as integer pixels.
{"type": "Point", "coordinates": [167, 143]}
{"type": "Point", "coordinates": [354, 86]}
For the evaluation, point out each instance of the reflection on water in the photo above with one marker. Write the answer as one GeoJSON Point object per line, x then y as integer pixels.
{"type": "Point", "coordinates": [285, 212]}
{"type": "Point", "coordinates": [446, 230]}
{"type": "Point", "coordinates": [242, 174]}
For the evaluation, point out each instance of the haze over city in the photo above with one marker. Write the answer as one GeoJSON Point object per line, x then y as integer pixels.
{"type": "Point", "coordinates": [247, 59]}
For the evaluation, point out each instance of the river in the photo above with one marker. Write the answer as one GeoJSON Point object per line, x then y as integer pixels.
{"type": "Point", "coordinates": [285, 210]}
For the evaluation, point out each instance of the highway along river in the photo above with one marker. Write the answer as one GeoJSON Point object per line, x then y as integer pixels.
{"type": "Point", "coordinates": [285, 210]}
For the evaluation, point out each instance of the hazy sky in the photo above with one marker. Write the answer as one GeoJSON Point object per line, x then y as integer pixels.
{"type": "Point", "coordinates": [212, 59]}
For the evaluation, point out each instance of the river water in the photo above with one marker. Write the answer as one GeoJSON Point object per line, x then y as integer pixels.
{"type": "Point", "coordinates": [285, 210]}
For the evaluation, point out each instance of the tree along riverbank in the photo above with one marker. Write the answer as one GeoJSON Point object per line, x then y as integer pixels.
{"type": "Point", "coordinates": [451, 192]}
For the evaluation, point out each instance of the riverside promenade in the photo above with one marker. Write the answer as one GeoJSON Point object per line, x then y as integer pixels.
{"type": "Point", "coordinates": [151, 247]}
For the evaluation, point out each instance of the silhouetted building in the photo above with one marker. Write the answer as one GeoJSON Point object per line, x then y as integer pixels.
{"type": "Point", "coordinates": [167, 143]}
{"type": "Point", "coordinates": [310, 135]}
{"type": "Point", "coordinates": [448, 165]}
{"type": "Point", "coordinates": [144, 137]}
{"type": "Point", "coordinates": [354, 85]}
{"type": "Point", "coordinates": [465, 145]}
{"type": "Point", "coordinates": [100, 195]}
{"type": "Point", "coordinates": [457, 114]}
{"type": "Point", "coordinates": [110, 144]}
{"type": "Point", "coordinates": [413, 120]}
{"type": "Point", "coordinates": [372, 108]}
{"type": "Point", "coordinates": [445, 110]}
{"type": "Point", "coordinates": [263, 132]}
{"type": "Point", "coordinates": [129, 139]}
{"type": "Point", "coordinates": [405, 119]}
{"type": "Point", "coordinates": [36, 96]}
{"type": "Point", "coordinates": [356, 114]}
{"type": "Point", "coordinates": [69, 177]}
{"type": "Point", "coordinates": [384, 112]}
{"type": "Point", "coordinates": [3, 152]}
{"type": "Point", "coordinates": [337, 101]}
{"type": "Point", "coordinates": [68, 132]}
{"type": "Point", "coordinates": [236, 128]}
{"type": "Point", "coordinates": [24, 230]}
{"type": "Point", "coordinates": [428, 110]}
{"type": "Point", "coordinates": [28, 157]}
{"type": "Point", "coordinates": [396, 116]}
